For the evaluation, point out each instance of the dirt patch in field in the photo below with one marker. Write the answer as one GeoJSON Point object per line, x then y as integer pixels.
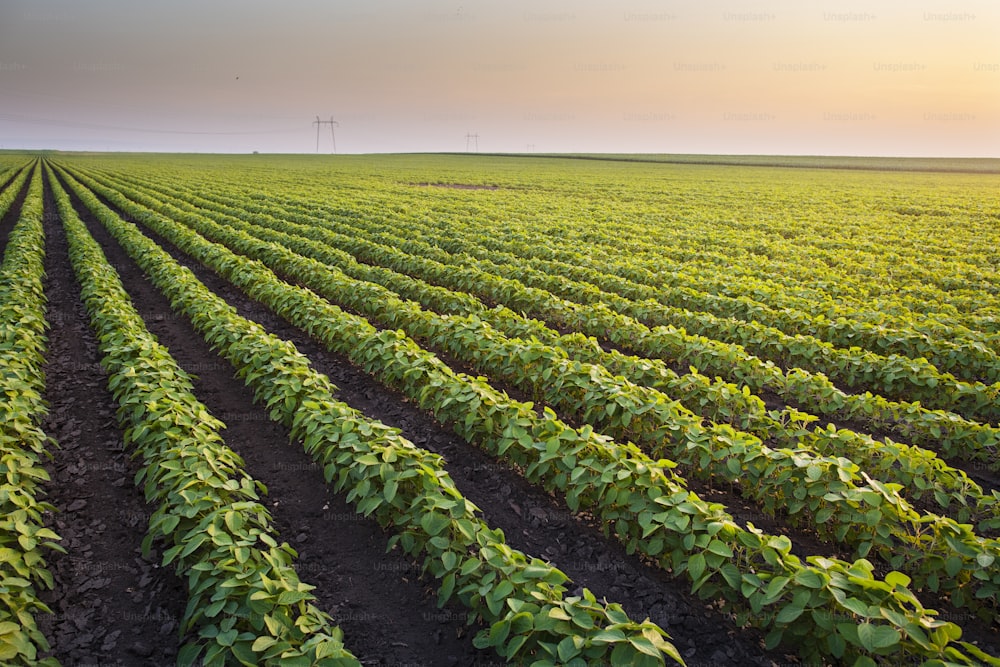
{"type": "Point", "coordinates": [111, 605]}
{"type": "Point", "coordinates": [532, 520]}
{"type": "Point", "coordinates": [456, 186]}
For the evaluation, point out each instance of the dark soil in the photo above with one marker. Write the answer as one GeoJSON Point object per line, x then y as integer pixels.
{"type": "Point", "coordinates": [532, 521]}
{"type": "Point", "coordinates": [6, 179]}
{"type": "Point", "coordinates": [987, 475]}
{"type": "Point", "coordinates": [9, 220]}
{"type": "Point", "coordinates": [111, 605]}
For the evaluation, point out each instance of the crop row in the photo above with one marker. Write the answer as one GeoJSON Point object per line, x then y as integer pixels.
{"type": "Point", "coordinates": [835, 300]}
{"type": "Point", "coordinates": [688, 289]}
{"type": "Point", "coordinates": [13, 189]}
{"type": "Point", "coordinates": [407, 489]}
{"type": "Point", "coordinates": [796, 338]}
{"type": "Point", "coordinates": [915, 468]}
{"type": "Point", "coordinates": [711, 238]}
{"type": "Point", "coordinates": [894, 377]}
{"type": "Point", "coordinates": [23, 444]}
{"type": "Point", "coordinates": [825, 607]}
{"type": "Point", "coordinates": [970, 360]}
{"type": "Point", "coordinates": [948, 432]}
{"type": "Point", "coordinates": [245, 600]}
{"type": "Point", "coordinates": [938, 430]}
{"type": "Point", "coordinates": [682, 253]}
{"type": "Point", "coordinates": [842, 503]}
{"type": "Point", "coordinates": [939, 270]}
{"type": "Point", "coordinates": [930, 271]}
{"type": "Point", "coordinates": [8, 173]}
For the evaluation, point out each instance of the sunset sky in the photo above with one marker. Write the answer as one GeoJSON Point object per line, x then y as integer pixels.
{"type": "Point", "coordinates": [830, 78]}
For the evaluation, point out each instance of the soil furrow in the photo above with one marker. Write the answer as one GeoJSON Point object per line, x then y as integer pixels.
{"type": "Point", "coordinates": [533, 521]}
{"type": "Point", "coordinates": [984, 474]}
{"type": "Point", "coordinates": [111, 606]}
{"type": "Point", "coordinates": [6, 179]}
{"type": "Point", "coordinates": [388, 613]}
{"type": "Point", "coordinates": [10, 219]}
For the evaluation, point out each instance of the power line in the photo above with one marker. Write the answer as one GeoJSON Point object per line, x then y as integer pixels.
{"type": "Point", "coordinates": [471, 137]}
{"type": "Point", "coordinates": [49, 122]}
{"type": "Point", "coordinates": [331, 123]}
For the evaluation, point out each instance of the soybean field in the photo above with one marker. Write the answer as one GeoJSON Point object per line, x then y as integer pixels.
{"type": "Point", "coordinates": [496, 409]}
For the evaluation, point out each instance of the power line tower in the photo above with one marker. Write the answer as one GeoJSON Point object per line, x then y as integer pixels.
{"type": "Point", "coordinates": [331, 123]}
{"type": "Point", "coordinates": [471, 138]}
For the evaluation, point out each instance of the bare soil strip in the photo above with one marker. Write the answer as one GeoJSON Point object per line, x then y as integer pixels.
{"type": "Point", "coordinates": [111, 606]}
{"type": "Point", "coordinates": [532, 521]}
{"type": "Point", "coordinates": [10, 219]}
{"type": "Point", "coordinates": [5, 180]}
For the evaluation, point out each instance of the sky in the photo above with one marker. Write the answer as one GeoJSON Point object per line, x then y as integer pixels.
{"type": "Point", "coordinates": [884, 77]}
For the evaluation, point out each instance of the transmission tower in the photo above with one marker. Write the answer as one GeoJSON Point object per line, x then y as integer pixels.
{"type": "Point", "coordinates": [331, 123]}
{"type": "Point", "coordinates": [471, 138]}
